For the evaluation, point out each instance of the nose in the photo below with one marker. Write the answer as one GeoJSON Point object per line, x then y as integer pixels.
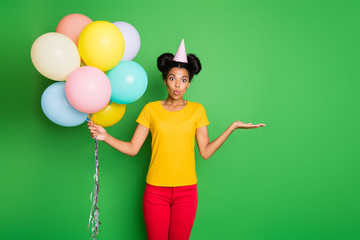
{"type": "Point", "coordinates": [177, 83]}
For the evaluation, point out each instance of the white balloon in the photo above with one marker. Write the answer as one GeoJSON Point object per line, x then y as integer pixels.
{"type": "Point", "coordinates": [132, 40]}
{"type": "Point", "coordinates": [55, 56]}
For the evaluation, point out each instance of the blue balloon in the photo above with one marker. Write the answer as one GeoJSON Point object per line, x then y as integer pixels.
{"type": "Point", "coordinates": [128, 82]}
{"type": "Point", "coordinates": [58, 109]}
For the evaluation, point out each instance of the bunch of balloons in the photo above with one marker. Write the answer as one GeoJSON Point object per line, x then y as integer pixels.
{"type": "Point", "coordinates": [92, 64]}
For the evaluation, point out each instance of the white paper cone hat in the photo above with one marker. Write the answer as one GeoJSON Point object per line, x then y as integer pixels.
{"type": "Point", "coordinates": [181, 53]}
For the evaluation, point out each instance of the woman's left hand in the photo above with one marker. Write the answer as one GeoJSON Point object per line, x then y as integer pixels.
{"type": "Point", "coordinates": [239, 124]}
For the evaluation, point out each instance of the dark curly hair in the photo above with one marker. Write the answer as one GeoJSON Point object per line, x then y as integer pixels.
{"type": "Point", "coordinates": [165, 63]}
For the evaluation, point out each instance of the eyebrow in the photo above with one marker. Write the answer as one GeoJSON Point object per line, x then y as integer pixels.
{"type": "Point", "coordinates": [175, 76]}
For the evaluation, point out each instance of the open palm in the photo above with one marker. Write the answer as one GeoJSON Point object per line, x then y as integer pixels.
{"type": "Point", "coordinates": [239, 124]}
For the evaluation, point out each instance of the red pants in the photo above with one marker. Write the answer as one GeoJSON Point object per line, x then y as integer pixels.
{"type": "Point", "coordinates": [169, 212]}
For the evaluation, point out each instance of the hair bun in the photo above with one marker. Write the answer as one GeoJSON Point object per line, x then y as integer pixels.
{"type": "Point", "coordinates": [164, 61]}
{"type": "Point", "coordinates": [194, 63]}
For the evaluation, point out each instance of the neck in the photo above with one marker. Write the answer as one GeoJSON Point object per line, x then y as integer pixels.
{"type": "Point", "coordinates": [174, 102]}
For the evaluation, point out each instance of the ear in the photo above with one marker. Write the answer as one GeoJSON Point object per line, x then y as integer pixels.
{"type": "Point", "coordinates": [165, 82]}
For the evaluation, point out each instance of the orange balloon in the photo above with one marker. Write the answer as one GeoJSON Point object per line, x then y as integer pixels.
{"type": "Point", "coordinates": [110, 115]}
{"type": "Point", "coordinates": [72, 25]}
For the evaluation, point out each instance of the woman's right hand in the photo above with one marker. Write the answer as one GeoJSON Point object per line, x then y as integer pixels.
{"type": "Point", "coordinates": [97, 131]}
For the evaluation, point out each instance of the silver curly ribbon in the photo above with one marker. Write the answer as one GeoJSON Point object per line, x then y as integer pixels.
{"type": "Point", "coordinates": [95, 212]}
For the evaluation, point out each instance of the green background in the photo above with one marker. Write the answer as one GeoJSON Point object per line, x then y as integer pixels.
{"type": "Point", "coordinates": [293, 65]}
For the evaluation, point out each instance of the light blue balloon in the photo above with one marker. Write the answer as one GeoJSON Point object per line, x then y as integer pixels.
{"type": "Point", "coordinates": [128, 82]}
{"type": "Point", "coordinates": [58, 109]}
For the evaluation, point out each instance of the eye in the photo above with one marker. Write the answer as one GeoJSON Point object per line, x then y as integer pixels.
{"type": "Point", "coordinates": [184, 80]}
{"type": "Point", "coordinates": [171, 78]}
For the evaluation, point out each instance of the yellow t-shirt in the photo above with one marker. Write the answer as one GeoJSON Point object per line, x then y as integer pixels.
{"type": "Point", "coordinates": [173, 141]}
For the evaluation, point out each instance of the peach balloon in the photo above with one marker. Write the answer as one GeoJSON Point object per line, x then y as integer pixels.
{"type": "Point", "coordinates": [72, 25]}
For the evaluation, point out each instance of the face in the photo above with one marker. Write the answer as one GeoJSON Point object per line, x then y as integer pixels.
{"type": "Point", "coordinates": [177, 82]}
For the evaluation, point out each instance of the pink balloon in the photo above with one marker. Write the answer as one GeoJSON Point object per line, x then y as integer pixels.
{"type": "Point", "coordinates": [72, 25]}
{"type": "Point", "coordinates": [88, 89]}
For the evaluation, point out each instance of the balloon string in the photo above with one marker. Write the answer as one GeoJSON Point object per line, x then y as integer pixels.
{"type": "Point", "coordinates": [95, 212]}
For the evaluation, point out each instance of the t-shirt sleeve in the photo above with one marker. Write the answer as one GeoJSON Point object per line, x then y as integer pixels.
{"type": "Point", "coordinates": [202, 118]}
{"type": "Point", "coordinates": [144, 117]}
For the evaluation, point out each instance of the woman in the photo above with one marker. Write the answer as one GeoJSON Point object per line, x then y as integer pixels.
{"type": "Point", "coordinates": [170, 197]}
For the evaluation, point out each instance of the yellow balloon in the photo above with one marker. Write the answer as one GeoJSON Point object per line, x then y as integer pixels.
{"type": "Point", "coordinates": [110, 115]}
{"type": "Point", "coordinates": [101, 44]}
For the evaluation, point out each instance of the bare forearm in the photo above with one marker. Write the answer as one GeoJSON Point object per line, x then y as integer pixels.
{"type": "Point", "coordinates": [122, 146]}
{"type": "Point", "coordinates": [213, 146]}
